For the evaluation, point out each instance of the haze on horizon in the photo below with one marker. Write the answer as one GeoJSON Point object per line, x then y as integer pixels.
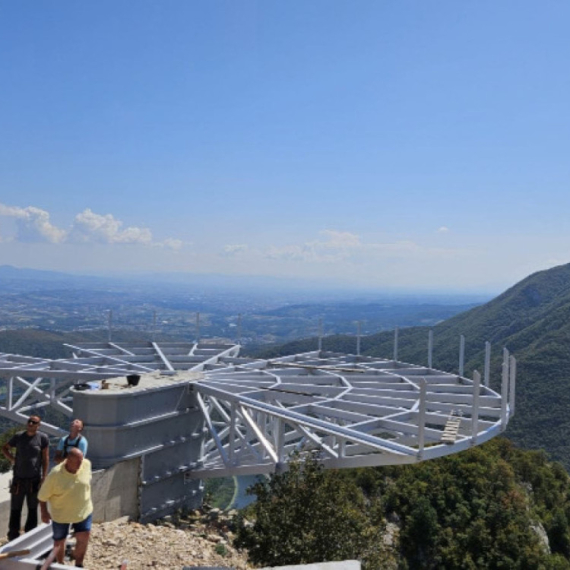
{"type": "Point", "coordinates": [381, 145]}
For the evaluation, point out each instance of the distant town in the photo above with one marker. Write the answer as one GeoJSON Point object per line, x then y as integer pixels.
{"type": "Point", "coordinates": [185, 311]}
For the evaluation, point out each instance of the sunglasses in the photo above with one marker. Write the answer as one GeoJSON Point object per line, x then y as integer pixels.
{"type": "Point", "coordinates": [33, 422]}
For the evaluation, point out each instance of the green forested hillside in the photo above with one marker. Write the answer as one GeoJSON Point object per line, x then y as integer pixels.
{"type": "Point", "coordinates": [532, 319]}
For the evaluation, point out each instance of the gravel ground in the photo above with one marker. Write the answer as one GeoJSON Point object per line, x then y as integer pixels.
{"type": "Point", "coordinates": [161, 547]}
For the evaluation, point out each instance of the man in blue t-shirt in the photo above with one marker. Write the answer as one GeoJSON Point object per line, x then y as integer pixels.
{"type": "Point", "coordinates": [73, 439]}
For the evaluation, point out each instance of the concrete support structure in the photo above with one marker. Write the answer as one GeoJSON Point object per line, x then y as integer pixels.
{"type": "Point", "coordinates": [158, 421]}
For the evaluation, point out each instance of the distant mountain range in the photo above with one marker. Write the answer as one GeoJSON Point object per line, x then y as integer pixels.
{"type": "Point", "coordinates": [302, 290]}
{"type": "Point", "coordinates": [16, 279]}
{"type": "Point", "coordinates": [532, 319]}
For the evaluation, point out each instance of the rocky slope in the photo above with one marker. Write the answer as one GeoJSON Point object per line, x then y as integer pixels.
{"type": "Point", "coordinates": [201, 538]}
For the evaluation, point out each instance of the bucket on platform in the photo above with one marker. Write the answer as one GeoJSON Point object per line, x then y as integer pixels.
{"type": "Point", "coordinates": [133, 379]}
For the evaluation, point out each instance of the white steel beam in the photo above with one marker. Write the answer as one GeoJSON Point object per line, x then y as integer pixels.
{"type": "Point", "coordinates": [358, 410]}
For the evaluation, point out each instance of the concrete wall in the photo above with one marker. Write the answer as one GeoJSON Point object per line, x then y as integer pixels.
{"type": "Point", "coordinates": [5, 479]}
{"type": "Point", "coordinates": [114, 491]}
{"type": "Point", "coordinates": [118, 492]}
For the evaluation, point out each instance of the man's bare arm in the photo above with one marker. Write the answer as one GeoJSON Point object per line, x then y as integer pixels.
{"type": "Point", "coordinates": [46, 517]}
{"type": "Point", "coordinates": [8, 454]}
{"type": "Point", "coordinates": [45, 462]}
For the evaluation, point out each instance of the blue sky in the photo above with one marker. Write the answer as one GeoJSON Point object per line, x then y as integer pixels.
{"type": "Point", "coordinates": [380, 144]}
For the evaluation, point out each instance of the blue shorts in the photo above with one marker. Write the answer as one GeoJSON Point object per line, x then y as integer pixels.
{"type": "Point", "coordinates": [61, 530]}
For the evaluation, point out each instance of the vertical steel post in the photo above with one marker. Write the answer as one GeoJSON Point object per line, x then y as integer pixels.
{"type": "Point", "coordinates": [358, 329]}
{"type": "Point", "coordinates": [110, 325]}
{"type": "Point", "coordinates": [10, 394]}
{"type": "Point", "coordinates": [430, 348]}
{"type": "Point", "coordinates": [487, 376]}
{"type": "Point", "coordinates": [504, 388]}
{"type": "Point", "coordinates": [257, 417]}
{"type": "Point", "coordinates": [259, 422]}
{"type": "Point", "coordinates": [461, 355]}
{"type": "Point", "coordinates": [233, 419]}
{"type": "Point", "coordinates": [512, 378]}
{"type": "Point", "coordinates": [475, 407]}
{"type": "Point", "coordinates": [320, 345]}
{"type": "Point", "coordinates": [205, 432]}
{"type": "Point", "coordinates": [396, 344]}
{"type": "Point", "coordinates": [197, 328]}
{"type": "Point", "coordinates": [280, 439]}
{"type": "Point", "coordinates": [422, 417]}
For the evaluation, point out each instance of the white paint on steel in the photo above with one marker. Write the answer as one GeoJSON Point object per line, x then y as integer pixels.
{"type": "Point", "coordinates": [422, 417]}
{"type": "Point", "coordinates": [461, 355]}
{"type": "Point", "coordinates": [512, 380]}
{"type": "Point", "coordinates": [475, 410]}
{"type": "Point", "coordinates": [358, 410]}
{"type": "Point", "coordinates": [505, 389]}
{"type": "Point", "coordinates": [162, 357]}
{"type": "Point", "coordinates": [487, 372]}
{"type": "Point", "coordinates": [396, 330]}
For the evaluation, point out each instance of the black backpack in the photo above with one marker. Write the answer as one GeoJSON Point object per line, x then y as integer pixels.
{"type": "Point", "coordinates": [66, 446]}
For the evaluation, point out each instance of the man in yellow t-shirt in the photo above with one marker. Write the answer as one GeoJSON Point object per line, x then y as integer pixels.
{"type": "Point", "coordinates": [67, 489]}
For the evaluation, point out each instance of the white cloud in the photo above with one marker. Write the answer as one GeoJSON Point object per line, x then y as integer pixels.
{"type": "Point", "coordinates": [443, 230]}
{"type": "Point", "coordinates": [338, 246]}
{"type": "Point", "coordinates": [338, 239]}
{"type": "Point", "coordinates": [171, 243]}
{"type": "Point", "coordinates": [335, 246]}
{"type": "Point", "coordinates": [33, 224]}
{"type": "Point", "coordinates": [232, 250]}
{"type": "Point", "coordinates": [291, 252]}
{"type": "Point", "coordinates": [91, 227]}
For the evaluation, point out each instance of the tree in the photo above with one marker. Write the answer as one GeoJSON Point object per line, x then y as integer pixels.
{"type": "Point", "coordinates": [558, 535]}
{"type": "Point", "coordinates": [306, 515]}
{"type": "Point", "coordinates": [4, 438]}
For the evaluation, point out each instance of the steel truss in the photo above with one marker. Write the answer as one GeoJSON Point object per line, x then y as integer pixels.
{"type": "Point", "coordinates": [357, 411]}
{"type": "Point", "coordinates": [28, 383]}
